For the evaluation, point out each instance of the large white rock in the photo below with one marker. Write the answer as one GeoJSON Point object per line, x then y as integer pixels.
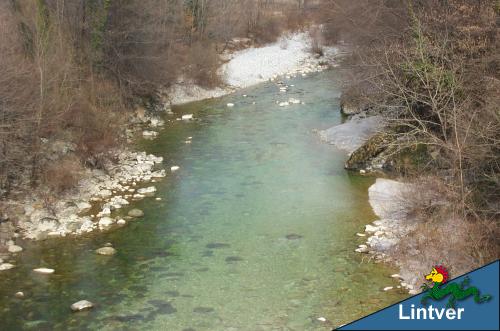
{"type": "Point", "coordinates": [388, 198]}
{"type": "Point", "coordinates": [174, 168]}
{"type": "Point", "coordinates": [82, 305]}
{"type": "Point", "coordinates": [187, 117]}
{"type": "Point", "coordinates": [350, 135]}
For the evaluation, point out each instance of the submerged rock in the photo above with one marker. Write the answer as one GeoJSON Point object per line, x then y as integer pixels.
{"type": "Point", "coordinates": [82, 305]}
{"type": "Point", "coordinates": [232, 259]}
{"type": "Point", "coordinates": [106, 251]}
{"type": "Point", "coordinates": [147, 191]}
{"type": "Point", "coordinates": [203, 310]}
{"type": "Point", "coordinates": [148, 134]}
{"type": "Point", "coordinates": [293, 236]}
{"type": "Point", "coordinates": [217, 245]}
{"type": "Point", "coordinates": [135, 213]}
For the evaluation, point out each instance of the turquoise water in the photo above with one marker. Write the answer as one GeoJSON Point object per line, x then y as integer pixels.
{"type": "Point", "coordinates": [256, 231]}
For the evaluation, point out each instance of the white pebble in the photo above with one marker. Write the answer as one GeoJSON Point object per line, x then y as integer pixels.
{"type": "Point", "coordinates": [44, 270]}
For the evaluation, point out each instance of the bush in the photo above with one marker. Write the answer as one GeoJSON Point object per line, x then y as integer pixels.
{"type": "Point", "coordinates": [316, 36]}
{"type": "Point", "coordinates": [203, 64]}
{"type": "Point", "coordinates": [62, 175]}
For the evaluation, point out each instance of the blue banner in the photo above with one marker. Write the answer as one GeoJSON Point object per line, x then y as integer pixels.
{"type": "Point", "coordinates": [468, 302]}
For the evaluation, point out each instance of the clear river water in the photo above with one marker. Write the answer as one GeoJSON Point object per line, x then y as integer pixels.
{"type": "Point", "coordinates": [255, 231]}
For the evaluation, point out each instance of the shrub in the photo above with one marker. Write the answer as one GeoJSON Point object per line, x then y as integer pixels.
{"type": "Point", "coordinates": [62, 175]}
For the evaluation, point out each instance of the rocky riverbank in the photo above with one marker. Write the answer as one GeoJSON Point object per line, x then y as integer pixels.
{"type": "Point", "coordinates": [364, 138]}
{"type": "Point", "coordinates": [102, 196]}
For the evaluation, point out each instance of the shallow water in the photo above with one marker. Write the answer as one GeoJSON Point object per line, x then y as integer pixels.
{"type": "Point", "coordinates": [256, 231]}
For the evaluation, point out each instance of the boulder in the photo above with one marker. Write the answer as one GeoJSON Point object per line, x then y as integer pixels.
{"type": "Point", "coordinates": [82, 305]}
{"type": "Point", "coordinates": [135, 213]}
{"type": "Point", "coordinates": [106, 251]}
{"type": "Point", "coordinates": [174, 168]}
{"type": "Point", "coordinates": [187, 117]}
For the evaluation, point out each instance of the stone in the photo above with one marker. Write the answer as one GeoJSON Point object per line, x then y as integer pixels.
{"type": "Point", "coordinates": [396, 276]}
{"type": "Point", "coordinates": [82, 305]}
{"type": "Point", "coordinates": [155, 122]}
{"type": "Point", "coordinates": [149, 134]}
{"type": "Point", "coordinates": [14, 249]}
{"type": "Point", "coordinates": [135, 213]}
{"type": "Point", "coordinates": [121, 221]}
{"type": "Point", "coordinates": [294, 101]}
{"type": "Point", "coordinates": [283, 104]}
{"type": "Point", "coordinates": [44, 271]}
{"type": "Point", "coordinates": [370, 228]}
{"type": "Point", "coordinates": [105, 193]}
{"type": "Point", "coordinates": [6, 266]}
{"type": "Point", "coordinates": [230, 104]}
{"type": "Point", "coordinates": [187, 117]}
{"type": "Point", "coordinates": [321, 319]}
{"type": "Point", "coordinates": [106, 221]}
{"type": "Point", "coordinates": [106, 251]}
{"type": "Point", "coordinates": [174, 168]}
{"type": "Point", "coordinates": [83, 206]}
{"type": "Point", "coordinates": [147, 191]}
{"type": "Point", "coordinates": [388, 288]}
{"type": "Point", "coordinates": [361, 234]}
{"type": "Point", "coordinates": [19, 295]}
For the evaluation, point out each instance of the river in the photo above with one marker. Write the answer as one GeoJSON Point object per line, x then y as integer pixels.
{"type": "Point", "coordinates": [255, 231]}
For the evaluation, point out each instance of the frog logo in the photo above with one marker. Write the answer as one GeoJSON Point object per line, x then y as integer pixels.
{"type": "Point", "coordinates": [456, 292]}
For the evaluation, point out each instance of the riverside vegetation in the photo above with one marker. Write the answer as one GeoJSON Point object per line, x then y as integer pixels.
{"type": "Point", "coordinates": [431, 70]}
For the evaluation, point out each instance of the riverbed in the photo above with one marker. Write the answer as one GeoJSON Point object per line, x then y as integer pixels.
{"type": "Point", "coordinates": [255, 231]}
